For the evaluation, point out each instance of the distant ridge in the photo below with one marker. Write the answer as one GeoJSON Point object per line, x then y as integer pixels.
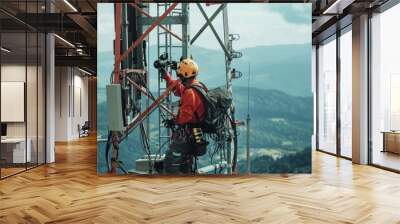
{"type": "Point", "coordinates": [282, 67]}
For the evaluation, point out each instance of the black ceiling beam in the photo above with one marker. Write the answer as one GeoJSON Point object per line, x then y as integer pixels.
{"type": "Point", "coordinates": [332, 29]}
{"type": "Point", "coordinates": [329, 27]}
{"type": "Point", "coordinates": [49, 22]}
{"type": "Point", "coordinates": [11, 25]}
{"type": "Point", "coordinates": [81, 61]}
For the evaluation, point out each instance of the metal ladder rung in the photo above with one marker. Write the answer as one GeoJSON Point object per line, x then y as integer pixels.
{"type": "Point", "coordinates": [166, 45]}
{"type": "Point", "coordinates": [174, 46]}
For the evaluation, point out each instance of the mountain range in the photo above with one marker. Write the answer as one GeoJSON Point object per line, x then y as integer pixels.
{"type": "Point", "coordinates": [280, 104]}
{"type": "Point", "coordinates": [281, 125]}
{"type": "Point", "coordinates": [282, 67]}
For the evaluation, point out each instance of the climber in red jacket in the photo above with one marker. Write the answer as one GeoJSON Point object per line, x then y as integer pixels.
{"type": "Point", "coordinates": [179, 156]}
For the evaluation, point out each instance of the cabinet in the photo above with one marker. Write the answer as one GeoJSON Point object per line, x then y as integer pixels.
{"type": "Point", "coordinates": [391, 142]}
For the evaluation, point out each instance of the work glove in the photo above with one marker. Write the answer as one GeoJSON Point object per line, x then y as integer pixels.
{"type": "Point", "coordinates": [160, 66]}
{"type": "Point", "coordinates": [163, 71]}
{"type": "Point", "coordinates": [157, 64]}
{"type": "Point", "coordinates": [170, 123]}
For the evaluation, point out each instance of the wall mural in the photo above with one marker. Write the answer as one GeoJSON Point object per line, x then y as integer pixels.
{"type": "Point", "coordinates": [204, 88]}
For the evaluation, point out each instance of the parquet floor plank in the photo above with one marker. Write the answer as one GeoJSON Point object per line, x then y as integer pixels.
{"type": "Point", "coordinates": [70, 191]}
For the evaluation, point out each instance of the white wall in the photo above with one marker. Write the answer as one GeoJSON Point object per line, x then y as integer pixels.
{"type": "Point", "coordinates": [33, 127]}
{"type": "Point", "coordinates": [70, 83]}
{"type": "Point", "coordinates": [16, 73]}
{"type": "Point", "coordinates": [61, 103]}
{"type": "Point", "coordinates": [81, 84]}
{"type": "Point", "coordinates": [12, 73]}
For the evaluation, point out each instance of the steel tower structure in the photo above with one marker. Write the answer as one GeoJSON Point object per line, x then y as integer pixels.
{"type": "Point", "coordinates": [178, 16]}
{"type": "Point", "coordinates": [130, 79]}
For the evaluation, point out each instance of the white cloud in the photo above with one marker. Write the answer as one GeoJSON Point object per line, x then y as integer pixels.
{"type": "Point", "coordinates": [298, 7]}
{"type": "Point", "coordinates": [105, 26]}
{"type": "Point", "coordinates": [257, 24]}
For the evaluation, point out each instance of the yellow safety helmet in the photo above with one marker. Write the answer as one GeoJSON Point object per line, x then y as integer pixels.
{"type": "Point", "coordinates": [187, 68]}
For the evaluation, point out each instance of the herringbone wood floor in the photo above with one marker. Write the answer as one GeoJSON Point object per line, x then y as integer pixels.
{"type": "Point", "coordinates": [70, 191]}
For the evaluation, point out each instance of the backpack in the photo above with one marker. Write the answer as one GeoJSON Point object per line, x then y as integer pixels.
{"type": "Point", "coordinates": [216, 104]}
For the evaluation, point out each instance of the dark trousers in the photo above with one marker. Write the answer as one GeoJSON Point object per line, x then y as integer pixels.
{"type": "Point", "coordinates": [179, 157]}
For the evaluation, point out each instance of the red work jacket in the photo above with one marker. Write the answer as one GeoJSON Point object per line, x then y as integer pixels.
{"type": "Point", "coordinates": [191, 108]}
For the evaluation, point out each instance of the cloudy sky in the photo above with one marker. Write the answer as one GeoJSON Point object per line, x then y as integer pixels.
{"type": "Point", "coordinates": [257, 23]}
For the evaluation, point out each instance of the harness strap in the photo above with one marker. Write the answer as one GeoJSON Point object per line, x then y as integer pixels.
{"type": "Point", "coordinates": [197, 89]}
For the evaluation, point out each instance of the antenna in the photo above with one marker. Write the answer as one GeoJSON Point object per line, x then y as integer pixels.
{"type": "Point", "coordinates": [248, 165]}
{"type": "Point", "coordinates": [248, 90]}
